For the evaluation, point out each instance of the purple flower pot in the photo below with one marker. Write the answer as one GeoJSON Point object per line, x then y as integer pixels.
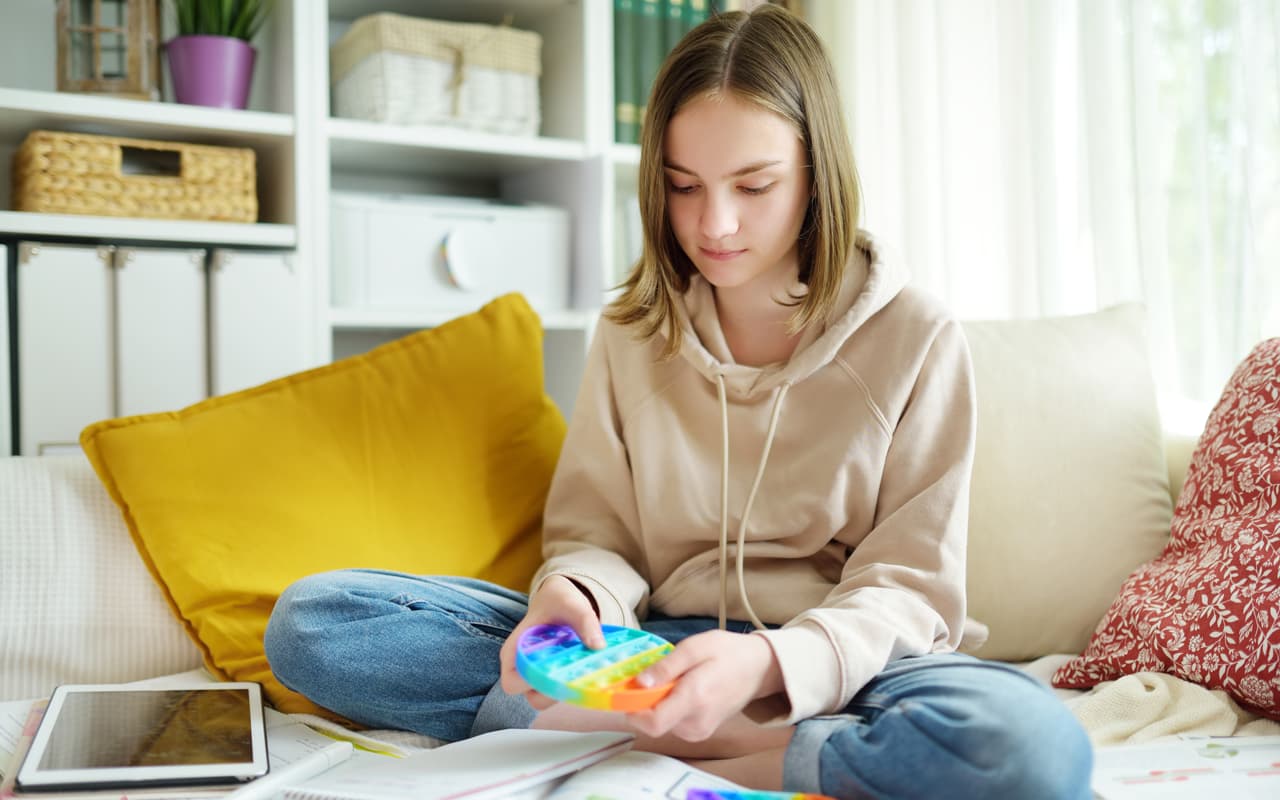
{"type": "Point", "coordinates": [211, 70]}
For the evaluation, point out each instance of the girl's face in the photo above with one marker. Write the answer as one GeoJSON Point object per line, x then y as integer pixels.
{"type": "Point", "coordinates": [737, 191]}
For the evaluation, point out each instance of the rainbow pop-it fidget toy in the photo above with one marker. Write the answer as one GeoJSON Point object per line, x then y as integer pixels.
{"type": "Point", "coordinates": [749, 794]}
{"type": "Point", "coordinates": [555, 662]}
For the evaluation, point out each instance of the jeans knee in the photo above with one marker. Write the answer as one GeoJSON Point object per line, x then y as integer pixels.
{"type": "Point", "coordinates": [293, 628]}
{"type": "Point", "coordinates": [1038, 751]}
{"type": "Point", "coordinates": [1024, 744]}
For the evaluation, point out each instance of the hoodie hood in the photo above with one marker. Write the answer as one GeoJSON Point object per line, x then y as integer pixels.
{"type": "Point", "coordinates": [870, 281]}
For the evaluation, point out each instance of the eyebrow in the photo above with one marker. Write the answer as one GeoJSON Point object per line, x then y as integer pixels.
{"type": "Point", "coordinates": [754, 166]}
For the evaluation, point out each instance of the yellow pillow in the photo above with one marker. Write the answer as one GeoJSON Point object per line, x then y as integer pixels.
{"type": "Point", "coordinates": [431, 454]}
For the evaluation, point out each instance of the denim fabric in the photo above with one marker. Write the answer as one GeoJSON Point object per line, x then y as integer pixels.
{"type": "Point", "coordinates": [421, 653]}
{"type": "Point", "coordinates": [945, 725]}
{"type": "Point", "coordinates": [397, 651]}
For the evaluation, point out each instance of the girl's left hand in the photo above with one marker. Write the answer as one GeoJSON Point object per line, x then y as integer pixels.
{"type": "Point", "coordinates": [716, 673]}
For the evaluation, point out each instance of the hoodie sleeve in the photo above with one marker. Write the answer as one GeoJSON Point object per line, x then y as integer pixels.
{"type": "Point", "coordinates": [901, 591]}
{"type": "Point", "coordinates": [591, 512]}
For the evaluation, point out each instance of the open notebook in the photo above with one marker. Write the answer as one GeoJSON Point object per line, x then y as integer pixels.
{"type": "Point", "coordinates": [498, 764]}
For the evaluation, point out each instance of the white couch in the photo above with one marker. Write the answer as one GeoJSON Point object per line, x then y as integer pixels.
{"type": "Point", "coordinates": [1071, 492]}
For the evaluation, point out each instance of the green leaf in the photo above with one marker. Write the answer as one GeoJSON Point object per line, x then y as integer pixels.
{"type": "Point", "coordinates": [208, 23]}
{"type": "Point", "coordinates": [238, 18]}
{"type": "Point", "coordinates": [240, 26]}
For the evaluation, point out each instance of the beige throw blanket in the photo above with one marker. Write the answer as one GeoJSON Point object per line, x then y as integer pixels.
{"type": "Point", "coordinates": [1150, 705]}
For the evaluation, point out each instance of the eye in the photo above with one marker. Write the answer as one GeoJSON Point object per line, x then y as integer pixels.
{"type": "Point", "coordinates": [756, 189]}
{"type": "Point", "coordinates": [678, 189]}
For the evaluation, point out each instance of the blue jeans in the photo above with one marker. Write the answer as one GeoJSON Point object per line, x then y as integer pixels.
{"type": "Point", "coordinates": [421, 653]}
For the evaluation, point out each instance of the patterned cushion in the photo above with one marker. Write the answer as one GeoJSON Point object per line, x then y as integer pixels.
{"type": "Point", "coordinates": [1208, 609]}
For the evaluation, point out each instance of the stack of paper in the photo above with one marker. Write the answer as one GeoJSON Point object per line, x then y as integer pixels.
{"type": "Point", "coordinates": [1190, 768]}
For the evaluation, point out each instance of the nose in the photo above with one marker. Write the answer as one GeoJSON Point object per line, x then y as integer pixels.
{"type": "Point", "coordinates": [719, 217]}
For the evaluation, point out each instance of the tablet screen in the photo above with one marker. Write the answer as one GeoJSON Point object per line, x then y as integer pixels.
{"type": "Point", "coordinates": [111, 737]}
{"type": "Point", "coordinates": [148, 729]}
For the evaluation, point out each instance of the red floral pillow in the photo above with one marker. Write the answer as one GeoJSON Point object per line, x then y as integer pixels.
{"type": "Point", "coordinates": [1208, 609]}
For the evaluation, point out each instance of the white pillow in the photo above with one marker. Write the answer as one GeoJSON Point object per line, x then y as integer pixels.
{"type": "Point", "coordinates": [1070, 488]}
{"type": "Point", "coordinates": [76, 602]}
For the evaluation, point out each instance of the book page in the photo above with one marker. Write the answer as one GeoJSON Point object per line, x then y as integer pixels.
{"type": "Point", "coordinates": [1236, 767]}
{"type": "Point", "coordinates": [18, 721]}
{"type": "Point", "coordinates": [637, 776]}
{"type": "Point", "coordinates": [497, 764]}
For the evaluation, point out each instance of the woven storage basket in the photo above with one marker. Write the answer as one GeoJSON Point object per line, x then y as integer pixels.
{"type": "Point", "coordinates": [76, 173]}
{"type": "Point", "coordinates": [412, 71]}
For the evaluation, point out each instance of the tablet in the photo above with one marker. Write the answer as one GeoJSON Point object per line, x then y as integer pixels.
{"type": "Point", "coordinates": [127, 737]}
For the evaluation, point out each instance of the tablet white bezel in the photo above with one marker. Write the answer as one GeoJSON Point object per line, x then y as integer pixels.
{"type": "Point", "coordinates": [31, 778]}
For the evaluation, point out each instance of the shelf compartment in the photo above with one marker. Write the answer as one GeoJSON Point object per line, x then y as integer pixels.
{"type": "Point", "coordinates": [270, 135]}
{"type": "Point", "coordinates": [563, 85]}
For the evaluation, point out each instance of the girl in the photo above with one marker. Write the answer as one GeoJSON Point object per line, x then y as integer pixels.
{"type": "Point", "coordinates": [768, 465]}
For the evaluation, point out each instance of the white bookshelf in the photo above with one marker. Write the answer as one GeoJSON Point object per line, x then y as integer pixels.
{"type": "Point", "coordinates": [128, 230]}
{"type": "Point", "coordinates": [359, 146]}
{"type": "Point", "coordinates": [304, 154]}
{"type": "Point", "coordinates": [23, 110]}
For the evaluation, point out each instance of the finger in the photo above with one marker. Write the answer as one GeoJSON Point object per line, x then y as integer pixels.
{"type": "Point", "coordinates": [688, 712]}
{"type": "Point", "coordinates": [665, 715]}
{"type": "Point", "coordinates": [645, 723]}
{"type": "Point", "coordinates": [538, 700]}
{"type": "Point", "coordinates": [509, 678]}
{"type": "Point", "coordinates": [585, 623]}
{"type": "Point", "coordinates": [670, 667]}
{"type": "Point", "coordinates": [513, 682]}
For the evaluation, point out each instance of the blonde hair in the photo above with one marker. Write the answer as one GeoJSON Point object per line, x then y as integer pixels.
{"type": "Point", "coordinates": [772, 59]}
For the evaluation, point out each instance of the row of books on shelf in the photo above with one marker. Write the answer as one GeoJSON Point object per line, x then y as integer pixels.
{"type": "Point", "coordinates": [644, 31]}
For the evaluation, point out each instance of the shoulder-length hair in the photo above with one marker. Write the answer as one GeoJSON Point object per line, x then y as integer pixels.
{"type": "Point", "coordinates": [772, 59]}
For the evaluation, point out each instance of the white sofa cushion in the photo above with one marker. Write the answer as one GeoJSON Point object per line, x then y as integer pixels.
{"type": "Point", "coordinates": [76, 602]}
{"type": "Point", "coordinates": [1070, 487]}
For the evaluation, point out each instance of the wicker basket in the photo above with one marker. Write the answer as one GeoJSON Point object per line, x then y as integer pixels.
{"type": "Point", "coordinates": [412, 71]}
{"type": "Point", "coordinates": [76, 173]}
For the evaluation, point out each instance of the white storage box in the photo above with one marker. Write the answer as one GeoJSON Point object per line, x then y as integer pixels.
{"type": "Point", "coordinates": [446, 253]}
{"type": "Point", "coordinates": [412, 71]}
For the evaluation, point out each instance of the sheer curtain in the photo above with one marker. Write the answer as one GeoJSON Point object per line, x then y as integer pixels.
{"type": "Point", "coordinates": [1042, 157]}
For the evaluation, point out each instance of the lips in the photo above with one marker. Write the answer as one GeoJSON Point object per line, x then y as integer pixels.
{"type": "Point", "coordinates": [721, 255]}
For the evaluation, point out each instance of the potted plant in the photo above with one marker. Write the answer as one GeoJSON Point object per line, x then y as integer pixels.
{"type": "Point", "coordinates": [211, 59]}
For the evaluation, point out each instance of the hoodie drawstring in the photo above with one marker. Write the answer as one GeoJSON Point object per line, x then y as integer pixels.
{"type": "Point", "coordinates": [746, 510]}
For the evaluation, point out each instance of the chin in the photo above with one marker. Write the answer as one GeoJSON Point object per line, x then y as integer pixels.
{"type": "Point", "coordinates": [722, 276]}
{"type": "Point", "coordinates": [720, 279]}
{"type": "Point", "coordinates": [724, 273]}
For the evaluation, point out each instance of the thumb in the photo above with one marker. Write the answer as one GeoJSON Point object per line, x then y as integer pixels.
{"type": "Point", "coordinates": [666, 670]}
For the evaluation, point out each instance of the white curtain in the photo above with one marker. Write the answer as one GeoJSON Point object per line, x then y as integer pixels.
{"type": "Point", "coordinates": [1042, 157]}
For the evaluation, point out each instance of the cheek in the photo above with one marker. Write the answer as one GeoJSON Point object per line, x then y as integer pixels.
{"type": "Point", "coordinates": [775, 215]}
{"type": "Point", "coordinates": [791, 208]}
{"type": "Point", "coordinates": [682, 216]}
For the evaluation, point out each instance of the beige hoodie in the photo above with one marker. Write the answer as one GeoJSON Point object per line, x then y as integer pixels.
{"type": "Point", "coordinates": [855, 543]}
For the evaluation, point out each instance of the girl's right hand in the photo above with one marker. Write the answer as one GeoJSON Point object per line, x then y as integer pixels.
{"type": "Point", "coordinates": [558, 601]}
